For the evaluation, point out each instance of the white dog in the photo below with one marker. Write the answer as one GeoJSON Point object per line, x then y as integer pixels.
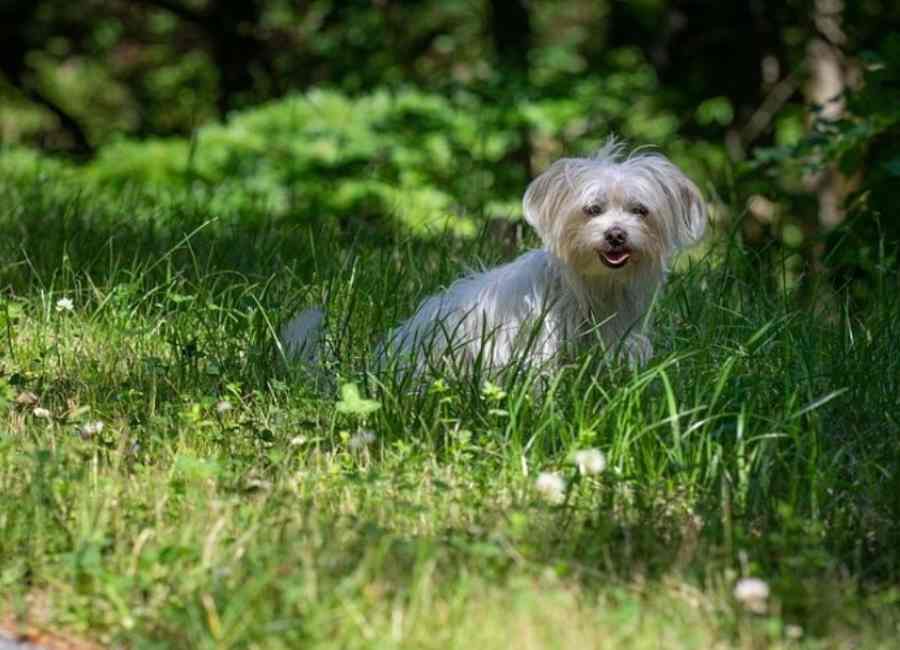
{"type": "Point", "coordinates": [609, 224]}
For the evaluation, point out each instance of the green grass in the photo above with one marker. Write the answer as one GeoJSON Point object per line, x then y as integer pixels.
{"type": "Point", "coordinates": [761, 441]}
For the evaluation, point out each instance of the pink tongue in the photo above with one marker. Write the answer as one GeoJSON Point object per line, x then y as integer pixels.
{"type": "Point", "coordinates": [616, 257]}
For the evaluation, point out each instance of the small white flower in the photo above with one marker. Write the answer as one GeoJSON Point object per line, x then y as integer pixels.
{"type": "Point", "coordinates": [296, 441]}
{"type": "Point", "coordinates": [258, 484]}
{"type": "Point", "coordinates": [551, 486]}
{"type": "Point", "coordinates": [65, 304]}
{"type": "Point", "coordinates": [590, 461]}
{"type": "Point", "coordinates": [792, 631]}
{"type": "Point", "coordinates": [40, 412]}
{"type": "Point", "coordinates": [752, 593]}
{"type": "Point", "coordinates": [223, 406]}
{"type": "Point", "coordinates": [91, 429]}
{"type": "Point", "coordinates": [361, 439]}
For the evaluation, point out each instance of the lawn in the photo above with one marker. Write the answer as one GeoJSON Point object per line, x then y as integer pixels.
{"type": "Point", "coordinates": [167, 481]}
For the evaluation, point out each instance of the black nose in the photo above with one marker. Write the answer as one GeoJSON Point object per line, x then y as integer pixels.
{"type": "Point", "coordinates": [616, 236]}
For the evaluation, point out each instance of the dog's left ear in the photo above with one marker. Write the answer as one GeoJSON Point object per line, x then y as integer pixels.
{"type": "Point", "coordinates": [545, 199]}
{"type": "Point", "coordinates": [690, 210]}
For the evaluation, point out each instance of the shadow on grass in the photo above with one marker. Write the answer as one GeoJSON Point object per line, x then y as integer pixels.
{"type": "Point", "coordinates": [50, 230]}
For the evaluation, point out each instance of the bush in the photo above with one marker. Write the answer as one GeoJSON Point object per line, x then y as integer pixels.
{"type": "Point", "coordinates": [410, 158]}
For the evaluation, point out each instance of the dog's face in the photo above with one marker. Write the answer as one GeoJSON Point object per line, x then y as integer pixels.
{"type": "Point", "coordinates": [613, 217]}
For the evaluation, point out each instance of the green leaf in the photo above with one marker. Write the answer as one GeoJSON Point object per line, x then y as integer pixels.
{"type": "Point", "coordinates": [6, 393]}
{"type": "Point", "coordinates": [492, 392]}
{"type": "Point", "coordinates": [353, 404]}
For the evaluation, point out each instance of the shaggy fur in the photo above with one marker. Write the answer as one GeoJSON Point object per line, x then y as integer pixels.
{"type": "Point", "coordinates": [609, 224]}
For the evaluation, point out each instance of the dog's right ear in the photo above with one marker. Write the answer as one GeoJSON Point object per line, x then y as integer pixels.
{"type": "Point", "coordinates": [546, 198]}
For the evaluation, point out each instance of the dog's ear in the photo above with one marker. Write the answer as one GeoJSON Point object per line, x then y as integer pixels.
{"type": "Point", "coordinates": [690, 210]}
{"type": "Point", "coordinates": [546, 198]}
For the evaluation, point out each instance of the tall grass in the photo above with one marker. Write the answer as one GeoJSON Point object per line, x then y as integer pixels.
{"type": "Point", "coordinates": [227, 503]}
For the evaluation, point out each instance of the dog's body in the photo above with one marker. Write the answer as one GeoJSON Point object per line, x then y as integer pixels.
{"type": "Point", "coordinates": [534, 306]}
{"type": "Point", "coordinates": [609, 224]}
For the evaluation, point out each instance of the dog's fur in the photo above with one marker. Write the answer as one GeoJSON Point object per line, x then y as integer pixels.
{"type": "Point", "coordinates": [609, 224]}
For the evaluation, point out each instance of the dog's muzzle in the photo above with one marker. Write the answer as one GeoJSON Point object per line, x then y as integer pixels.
{"type": "Point", "coordinates": [615, 258]}
{"type": "Point", "coordinates": [615, 253]}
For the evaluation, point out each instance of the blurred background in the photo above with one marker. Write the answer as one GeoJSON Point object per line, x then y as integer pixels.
{"type": "Point", "coordinates": [411, 114]}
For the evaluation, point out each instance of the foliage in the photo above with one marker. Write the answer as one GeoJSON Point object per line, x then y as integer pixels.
{"type": "Point", "coordinates": [863, 147]}
{"type": "Point", "coordinates": [419, 159]}
{"type": "Point", "coordinates": [302, 109]}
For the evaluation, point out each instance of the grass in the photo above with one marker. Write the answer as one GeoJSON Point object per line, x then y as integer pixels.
{"type": "Point", "coordinates": [227, 503]}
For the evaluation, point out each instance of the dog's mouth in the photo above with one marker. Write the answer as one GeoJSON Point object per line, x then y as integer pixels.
{"type": "Point", "coordinates": [616, 258]}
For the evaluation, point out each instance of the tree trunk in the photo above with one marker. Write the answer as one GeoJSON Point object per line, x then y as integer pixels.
{"type": "Point", "coordinates": [512, 35]}
{"type": "Point", "coordinates": [825, 94]}
{"type": "Point", "coordinates": [236, 50]}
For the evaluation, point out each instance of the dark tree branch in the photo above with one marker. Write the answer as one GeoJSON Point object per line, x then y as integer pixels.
{"type": "Point", "coordinates": [762, 117]}
{"type": "Point", "coordinates": [14, 47]}
{"type": "Point", "coordinates": [66, 121]}
{"type": "Point", "coordinates": [234, 45]}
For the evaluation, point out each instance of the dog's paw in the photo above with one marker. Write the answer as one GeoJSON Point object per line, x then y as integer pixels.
{"type": "Point", "coordinates": [637, 350]}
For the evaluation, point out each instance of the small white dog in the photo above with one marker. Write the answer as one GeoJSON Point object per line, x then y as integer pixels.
{"type": "Point", "coordinates": [609, 224]}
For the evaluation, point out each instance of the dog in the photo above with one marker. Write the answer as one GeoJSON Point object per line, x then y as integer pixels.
{"type": "Point", "coordinates": [610, 225]}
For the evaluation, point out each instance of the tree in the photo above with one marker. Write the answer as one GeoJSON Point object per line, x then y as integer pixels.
{"type": "Point", "coordinates": [511, 33]}
{"type": "Point", "coordinates": [239, 54]}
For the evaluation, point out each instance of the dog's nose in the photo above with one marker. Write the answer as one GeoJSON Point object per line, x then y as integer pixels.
{"type": "Point", "coordinates": [616, 236]}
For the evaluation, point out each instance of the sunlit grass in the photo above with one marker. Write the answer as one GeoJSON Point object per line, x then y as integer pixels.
{"type": "Point", "coordinates": [227, 502]}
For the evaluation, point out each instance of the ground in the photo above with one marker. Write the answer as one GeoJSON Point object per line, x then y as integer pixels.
{"type": "Point", "coordinates": [167, 480]}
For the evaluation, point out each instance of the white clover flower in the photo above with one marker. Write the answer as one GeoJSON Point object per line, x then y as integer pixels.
{"type": "Point", "coordinates": [91, 429]}
{"type": "Point", "coordinates": [40, 412]}
{"type": "Point", "coordinates": [223, 406]}
{"type": "Point", "coordinates": [361, 439]}
{"type": "Point", "coordinates": [590, 461]}
{"type": "Point", "coordinates": [65, 304]}
{"type": "Point", "coordinates": [752, 593]}
{"type": "Point", "coordinates": [552, 487]}
{"type": "Point", "coordinates": [258, 484]}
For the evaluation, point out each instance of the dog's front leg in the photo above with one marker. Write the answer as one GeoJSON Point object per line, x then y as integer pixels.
{"type": "Point", "coordinates": [637, 349]}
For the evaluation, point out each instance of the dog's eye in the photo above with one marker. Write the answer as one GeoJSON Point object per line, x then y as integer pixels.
{"type": "Point", "coordinates": [640, 209]}
{"type": "Point", "coordinates": [594, 209]}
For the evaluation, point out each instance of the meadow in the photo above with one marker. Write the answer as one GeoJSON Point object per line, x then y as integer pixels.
{"type": "Point", "coordinates": [168, 481]}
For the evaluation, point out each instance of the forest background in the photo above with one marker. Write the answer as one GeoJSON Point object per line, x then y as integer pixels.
{"type": "Point", "coordinates": [786, 111]}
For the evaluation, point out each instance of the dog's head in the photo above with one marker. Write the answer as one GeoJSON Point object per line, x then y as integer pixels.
{"type": "Point", "coordinates": [613, 215]}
